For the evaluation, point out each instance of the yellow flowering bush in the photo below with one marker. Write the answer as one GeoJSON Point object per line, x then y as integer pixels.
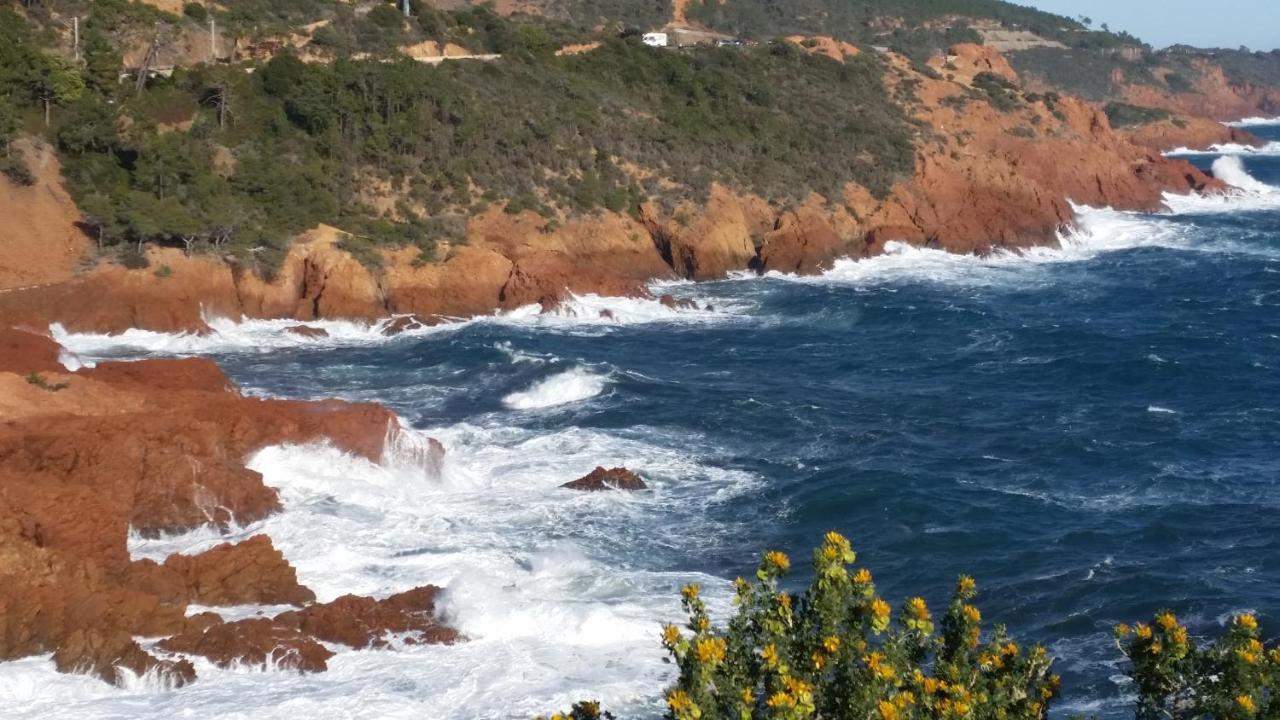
{"type": "Point", "coordinates": [1176, 678]}
{"type": "Point", "coordinates": [839, 651]}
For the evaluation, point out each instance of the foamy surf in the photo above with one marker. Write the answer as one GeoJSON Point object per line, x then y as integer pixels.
{"type": "Point", "coordinates": [1096, 231]}
{"type": "Point", "coordinates": [1254, 122]}
{"type": "Point", "coordinates": [570, 386]}
{"type": "Point", "coordinates": [1245, 192]}
{"type": "Point", "coordinates": [544, 582]}
{"type": "Point", "coordinates": [1271, 148]}
{"type": "Point", "coordinates": [245, 335]}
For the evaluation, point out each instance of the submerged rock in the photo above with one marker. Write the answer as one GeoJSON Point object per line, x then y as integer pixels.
{"type": "Point", "coordinates": [363, 622]}
{"type": "Point", "coordinates": [407, 323]}
{"type": "Point", "coordinates": [307, 331]}
{"type": "Point", "coordinates": [259, 642]}
{"type": "Point", "coordinates": [600, 480]}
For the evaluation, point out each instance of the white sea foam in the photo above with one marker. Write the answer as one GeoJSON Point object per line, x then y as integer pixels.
{"type": "Point", "coordinates": [570, 386]}
{"type": "Point", "coordinates": [1245, 193]}
{"type": "Point", "coordinates": [257, 336]}
{"type": "Point", "coordinates": [1271, 148]}
{"type": "Point", "coordinates": [1254, 122]}
{"type": "Point", "coordinates": [544, 582]}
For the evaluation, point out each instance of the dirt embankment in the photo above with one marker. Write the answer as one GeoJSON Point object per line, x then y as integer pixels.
{"type": "Point", "coordinates": [160, 446]}
{"type": "Point", "coordinates": [39, 241]}
{"type": "Point", "coordinates": [984, 178]}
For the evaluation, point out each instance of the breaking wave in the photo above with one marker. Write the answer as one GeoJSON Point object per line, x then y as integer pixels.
{"type": "Point", "coordinates": [567, 387]}
{"type": "Point", "coordinates": [1271, 148]}
{"type": "Point", "coordinates": [1254, 122]}
{"type": "Point", "coordinates": [228, 335]}
{"type": "Point", "coordinates": [1246, 192]}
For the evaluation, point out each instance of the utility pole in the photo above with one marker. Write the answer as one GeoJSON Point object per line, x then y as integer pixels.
{"type": "Point", "coordinates": [213, 39]}
{"type": "Point", "coordinates": [405, 5]}
{"type": "Point", "coordinates": [75, 34]}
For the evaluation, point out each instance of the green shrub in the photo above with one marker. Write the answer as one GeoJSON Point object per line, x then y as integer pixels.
{"type": "Point", "coordinates": [1124, 115]}
{"type": "Point", "coordinates": [195, 11]}
{"type": "Point", "coordinates": [16, 170]}
{"type": "Point", "coordinates": [1176, 678]}
{"type": "Point", "coordinates": [838, 651]}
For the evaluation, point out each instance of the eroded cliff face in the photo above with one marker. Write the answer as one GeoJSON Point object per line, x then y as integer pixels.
{"type": "Point", "coordinates": [1213, 96]}
{"type": "Point", "coordinates": [984, 178]}
{"type": "Point", "coordinates": [160, 446]}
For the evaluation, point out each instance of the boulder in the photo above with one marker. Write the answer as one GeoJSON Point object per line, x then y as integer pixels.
{"type": "Point", "coordinates": [600, 480]}
{"type": "Point", "coordinates": [260, 642]}
{"type": "Point", "coordinates": [307, 331]}
{"type": "Point", "coordinates": [363, 622]}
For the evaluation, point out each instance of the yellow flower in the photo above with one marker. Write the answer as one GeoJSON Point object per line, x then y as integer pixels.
{"type": "Point", "coordinates": [818, 660]}
{"type": "Point", "coordinates": [830, 552]}
{"type": "Point", "coordinates": [1167, 621]}
{"type": "Point", "coordinates": [1246, 703]}
{"type": "Point", "coordinates": [1254, 645]}
{"type": "Point", "coordinates": [1180, 636]}
{"type": "Point", "coordinates": [784, 600]}
{"type": "Point", "coordinates": [1010, 649]}
{"type": "Point", "coordinates": [1248, 657]}
{"type": "Point", "coordinates": [972, 614]}
{"type": "Point", "coordinates": [931, 685]}
{"type": "Point", "coordinates": [835, 538]}
{"type": "Point", "coordinates": [778, 560]}
{"type": "Point", "coordinates": [679, 700]}
{"type": "Point", "coordinates": [875, 662]}
{"type": "Point", "coordinates": [888, 711]}
{"type": "Point", "coordinates": [966, 585]}
{"type": "Point", "coordinates": [862, 576]}
{"type": "Point", "coordinates": [880, 609]}
{"type": "Point", "coordinates": [904, 699]}
{"type": "Point", "coordinates": [797, 688]}
{"type": "Point", "coordinates": [670, 635]}
{"type": "Point", "coordinates": [710, 650]}
{"type": "Point", "coordinates": [1122, 630]}
{"type": "Point", "coordinates": [781, 699]}
{"type": "Point", "coordinates": [691, 591]}
{"type": "Point", "coordinates": [960, 707]}
{"type": "Point", "coordinates": [1143, 631]}
{"type": "Point", "coordinates": [918, 609]}
{"type": "Point", "coordinates": [1039, 652]}
{"type": "Point", "coordinates": [1247, 621]}
{"type": "Point", "coordinates": [770, 655]}
{"type": "Point", "coordinates": [748, 697]}
{"type": "Point", "coordinates": [1156, 648]}
{"type": "Point", "coordinates": [831, 644]}
{"type": "Point", "coordinates": [703, 623]}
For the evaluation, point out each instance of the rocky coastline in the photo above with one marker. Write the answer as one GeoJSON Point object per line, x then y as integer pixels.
{"type": "Point", "coordinates": [160, 446]}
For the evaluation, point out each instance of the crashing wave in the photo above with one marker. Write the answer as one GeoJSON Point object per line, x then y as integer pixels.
{"type": "Point", "coordinates": [1254, 122]}
{"type": "Point", "coordinates": [228, 335]}
{"type": "Point", "coordinates": [571, 386]}
{"type": "Point", "coordinates": [1271, 148]}
{"type": "Point", "coordinates": [1245, 192]}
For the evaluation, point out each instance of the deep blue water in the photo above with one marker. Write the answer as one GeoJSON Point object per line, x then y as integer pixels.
{"type": "Point", "coordinates": [1093, 436]}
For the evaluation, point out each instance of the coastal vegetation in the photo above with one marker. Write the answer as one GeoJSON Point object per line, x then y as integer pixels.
{"type": "Point", "coordinates": [216, 158]}
{"type": "Point", "coordinates": [840, 651]}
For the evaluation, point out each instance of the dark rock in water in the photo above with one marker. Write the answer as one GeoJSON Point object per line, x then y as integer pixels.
{"type": "Point", "coordinates": [600, 479]}
{"type": "Point", "coordinates": [363, 622]}
{"type": "Point", "coordinates": [308, 331]}
{"type": "Point", "coordinates": [406, 323]}
{"type": "Point", "coordinates": [607, 314]}
{"type": "Point", "coordinates": [677, 303]}
{"type": "Point", "coordinates": [259, 641]}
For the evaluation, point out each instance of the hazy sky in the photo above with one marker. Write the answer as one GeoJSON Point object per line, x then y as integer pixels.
{"type": "Point", "coordinates": [1225, 23]}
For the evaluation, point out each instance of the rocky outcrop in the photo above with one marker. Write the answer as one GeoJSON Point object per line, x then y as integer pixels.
{"type": "Point", "coordinates": [362, 622]}
{"type": "Point", "coordinates": [984, 178]}
{"type": "Point", "coordinates": [160, 445]}
{"type": "Point", "coordinates": [1188, 132]}
{"type": "Point", "coordinates": [600, 480]}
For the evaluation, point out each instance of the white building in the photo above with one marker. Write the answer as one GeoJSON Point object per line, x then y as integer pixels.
{"type": "Point", "coordinates": [656, 39]}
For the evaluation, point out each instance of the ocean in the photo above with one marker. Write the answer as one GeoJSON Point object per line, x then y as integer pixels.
{"type": "Point", "coordinates": [1093, 432]}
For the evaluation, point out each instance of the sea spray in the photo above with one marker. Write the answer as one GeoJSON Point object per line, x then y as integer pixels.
{"type": "Point", "coordinates": [570, 386]}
